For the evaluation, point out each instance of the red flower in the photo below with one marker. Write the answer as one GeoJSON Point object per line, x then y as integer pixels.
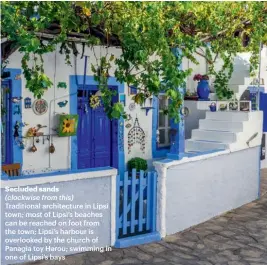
{"type": "Point", "coordinates": [199, 77]}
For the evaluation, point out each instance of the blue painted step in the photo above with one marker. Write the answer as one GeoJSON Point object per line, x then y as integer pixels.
{"type": "Point", "coordinates": [137, 240]}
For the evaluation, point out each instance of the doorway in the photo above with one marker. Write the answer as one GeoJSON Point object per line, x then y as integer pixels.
{"type": "Point", "coordinates": [97, 139]}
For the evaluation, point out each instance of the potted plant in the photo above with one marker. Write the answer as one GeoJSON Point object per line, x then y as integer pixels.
{"type": "Point", "coordinates": [203, 89]}
{"type": "Point", "coordinates": [190, 95]}
{"type": "Point", "coordinates": [137, 163]}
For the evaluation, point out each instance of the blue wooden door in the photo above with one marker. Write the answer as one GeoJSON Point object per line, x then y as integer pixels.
{"type": "Point", "coordinates": [96, 136]}
{"type": "Point", "coordinates": [101, 138]}
{"type": "Point", "coordinates": [84, 135]}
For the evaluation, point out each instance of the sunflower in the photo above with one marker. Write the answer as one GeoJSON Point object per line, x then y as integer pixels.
{"type": "Point", "coordinates": [94, 101]}
{"type": "Point", "coordinates": [68, 125]}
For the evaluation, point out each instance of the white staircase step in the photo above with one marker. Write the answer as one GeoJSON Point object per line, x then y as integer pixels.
{"type": "Point", "coordinates": [218, 136]}
{"type": "Point", "coordinates": [217, 125]}
{"type": "Point", "coordinates": [227, 116]}
{"type": "Point", "coordinates": [212, 96]}
{"type": "Point", "coordinates": [235, 88]}
{"type": "Point", "coordinates": [202, 146]}
{"type": "Point", "coordinates": [248, 80]}
{"type": "Point", "coordinates": [238, 88]}
{"type": "Point", "coordinates": [238, 77]}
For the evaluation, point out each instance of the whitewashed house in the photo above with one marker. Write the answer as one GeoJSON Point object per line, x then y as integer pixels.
{"type": "Point", "coordinates": [215, 169]}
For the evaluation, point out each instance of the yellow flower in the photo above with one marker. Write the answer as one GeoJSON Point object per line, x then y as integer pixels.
{"type": "Point", "coordinates": [87, 11]}
{"type": "Point", "coordinates": [68, 126]}
{"type": "Point", "coordinates": [94, 101]}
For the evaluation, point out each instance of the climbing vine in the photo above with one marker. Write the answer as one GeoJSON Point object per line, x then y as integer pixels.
{"type": "Point", "coordinates": [149, 34]}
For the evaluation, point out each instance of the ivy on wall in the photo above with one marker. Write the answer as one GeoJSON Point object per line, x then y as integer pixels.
{"type": "Point", "coordinates": [147, 32]}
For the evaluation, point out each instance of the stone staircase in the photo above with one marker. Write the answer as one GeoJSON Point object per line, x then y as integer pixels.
{"type": "Point", "coordinates": [221, 130]}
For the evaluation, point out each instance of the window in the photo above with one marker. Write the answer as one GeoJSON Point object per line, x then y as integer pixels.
{"type": "Point", "coordinates": [164, 126]}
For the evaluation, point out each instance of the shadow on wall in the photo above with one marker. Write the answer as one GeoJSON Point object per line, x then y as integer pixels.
{"type": "Point", "coordinates": [241, 69]}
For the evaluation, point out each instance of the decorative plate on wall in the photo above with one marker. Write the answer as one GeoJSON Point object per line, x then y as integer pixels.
{"type": "Point", "coordinates": [40, 106]}
{"type": "Point", "coordinates": [185, 111]}
{"type": "Point", "coordinates": [132, 106]}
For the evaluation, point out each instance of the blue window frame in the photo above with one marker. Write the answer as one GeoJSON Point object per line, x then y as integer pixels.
{"type": "Point", "coordinates": [6, 123]}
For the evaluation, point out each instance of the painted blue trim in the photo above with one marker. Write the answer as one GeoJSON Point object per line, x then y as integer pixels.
{"type": "Point", "coordinates": [156, 151]}
{"type": "Point", "coordinates": [4, 176]}
{"type": "Point", "coordinates": [178, 145]}
{"type": "Point", "coordinates": [203, 153]}
{"type": "Point", "coordinates": [137, 240]}
{"type": "Point", "coordinates": [177, 149]}
{"type": "Point", "coordinates": [58, 173]}
{"type": "Point", "coordinates": [75, 83]}
{"type": "Point", "coordinates": [168, 160]}
{"type": "Point", "coordinates": [121, 153]}
{"type": "Point", "coordinates": [8, 159]}
{"type": "Point", "coordinates": [16, 91]}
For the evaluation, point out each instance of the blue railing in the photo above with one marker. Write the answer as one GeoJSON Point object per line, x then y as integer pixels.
{"type": "Point", "coordinates": [136, 203]}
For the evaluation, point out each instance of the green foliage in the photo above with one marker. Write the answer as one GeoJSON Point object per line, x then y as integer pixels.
{"type": "Point", "coordinates": [222, 78]}
{"type": "Point", "coordinates": [221, 86]}
{"type": "Point", "coordinates": [148, 33]}
{"type": "Point", "coordinates": [137, 163]}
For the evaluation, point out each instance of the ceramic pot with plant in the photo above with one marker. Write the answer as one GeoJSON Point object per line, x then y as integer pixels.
{"type": "Point", "coordinates": [203, 89]}
{"type": "Point", "coordinates": [137, 163]}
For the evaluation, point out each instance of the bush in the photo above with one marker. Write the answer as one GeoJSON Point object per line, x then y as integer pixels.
{"type": "Point", "coordinates": [137, 163]}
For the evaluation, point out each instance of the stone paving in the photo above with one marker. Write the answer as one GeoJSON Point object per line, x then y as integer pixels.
{"type": "Point", "coordinates": [238, 237]}
{"type": "Point", "coordinates": [263, 182]}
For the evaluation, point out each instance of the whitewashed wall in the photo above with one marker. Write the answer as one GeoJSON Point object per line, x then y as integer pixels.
{"type": "Point", "coordinates": [264, 66]}
{"type": "Point", "coordinates": [241, 69]}
{"type": "Point", "coordinates": [193, 190]}
{"type": "Point", "coordinates": [200, 68]}
{"type": "Point", "coordinates": [92, 188]}
{"type": "Point", "coordinates": [58, 71]}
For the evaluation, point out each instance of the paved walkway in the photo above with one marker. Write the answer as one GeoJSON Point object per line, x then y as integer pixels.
{"type": "Point", "coordinates": [237, 238]}
{"type": "Point", "coordinates": [263, 182]}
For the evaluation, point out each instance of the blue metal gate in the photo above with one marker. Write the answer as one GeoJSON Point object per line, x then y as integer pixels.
{"type": "Point", "coordinates": [136, 208]}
